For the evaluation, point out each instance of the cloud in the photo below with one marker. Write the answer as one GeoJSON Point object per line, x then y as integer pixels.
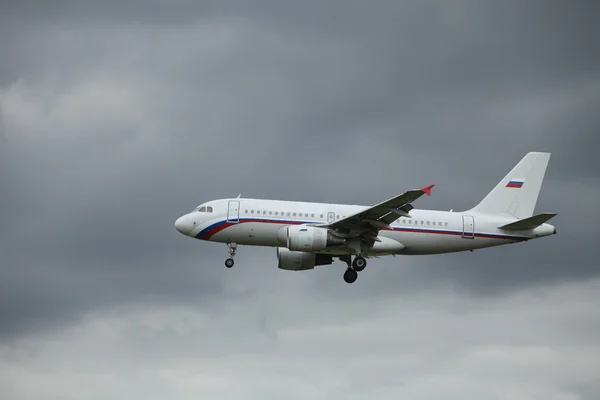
{"type": "Point", "coordinates": [115, 119]}
{"type": "Point", "coordinates": [422, 346]}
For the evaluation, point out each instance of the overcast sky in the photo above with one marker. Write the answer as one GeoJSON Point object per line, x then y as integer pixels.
{"type": "Point", "coordinates": [119, 116]}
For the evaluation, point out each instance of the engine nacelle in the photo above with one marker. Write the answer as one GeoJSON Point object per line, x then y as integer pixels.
{"type": "Point", "coordinates": [299, 260]}
{"type": "Point", "coordinates": [309, 238]}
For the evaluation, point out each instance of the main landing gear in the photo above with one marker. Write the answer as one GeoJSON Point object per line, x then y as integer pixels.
{"type": "Point", "coordinates": [354, 267]}
{"type": "Point", "coordinates": [232, 248]}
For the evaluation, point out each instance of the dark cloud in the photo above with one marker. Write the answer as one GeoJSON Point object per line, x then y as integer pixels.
{"type": "Point", "coordinates": [118, 117]}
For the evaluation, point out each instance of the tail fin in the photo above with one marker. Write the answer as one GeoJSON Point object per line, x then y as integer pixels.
{"type": "Point", "coordinates": [518, 192]}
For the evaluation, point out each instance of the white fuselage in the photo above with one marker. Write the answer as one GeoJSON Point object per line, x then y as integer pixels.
{"type": "Point", "coordinates": [258, 222]}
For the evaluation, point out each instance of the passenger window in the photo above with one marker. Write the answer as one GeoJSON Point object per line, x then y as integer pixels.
{"type": "Point", "coordinates": [276, 212]}
{"type": "Point", "coordinates": [246, 211]}
{"type": "Point", "coordinates": [427, 222]}
{"type": "Point", "coordinates": [321, 215]}
{"type": "Point", "coordinates": [306, 215]}
{"type": "Point", "coordinates": [422, 222]}
{"type": "Point", "coordinates": [252, 212]}
{"type": "Point", "coordinates": [446, 224]}
{"type": "Point", "coordinates": [410, 221]}
{"type": "Point", "coordinates": [288, 214]}
{"type": "Point", "coordinates": [265, 212]}
{"type": "Point", "coordinates": [294, 214]}
{"type": "Point", "coordinates": [312, 215]}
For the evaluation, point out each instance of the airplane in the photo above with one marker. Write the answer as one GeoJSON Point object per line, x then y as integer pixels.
{"type": "Point", "coordinates": [307, 234]}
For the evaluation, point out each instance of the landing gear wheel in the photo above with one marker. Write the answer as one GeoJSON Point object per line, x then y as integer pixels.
{"type": "Point", "coordinates": [359, 263]}
{"type": "Point", "coordinates": [350, 275]}
{"type": "Point", "coordinates": [229, 262]}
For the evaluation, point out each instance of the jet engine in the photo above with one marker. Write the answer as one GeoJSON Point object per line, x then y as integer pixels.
{"type": "Point", "coordinates": [299, 260]}
{"type": "Point", "coordinates": [308, 238]}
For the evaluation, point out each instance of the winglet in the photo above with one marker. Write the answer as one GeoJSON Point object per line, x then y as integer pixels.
{"type": "Point", "coordinates": [427, 190]}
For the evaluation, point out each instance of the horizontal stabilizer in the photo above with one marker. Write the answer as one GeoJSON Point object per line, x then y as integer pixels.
{"type": "Point", "coordinates": [528, 223]}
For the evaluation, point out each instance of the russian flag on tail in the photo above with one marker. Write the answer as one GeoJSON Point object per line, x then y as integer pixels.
{"type": "Point", "coordinates": [515, 183]}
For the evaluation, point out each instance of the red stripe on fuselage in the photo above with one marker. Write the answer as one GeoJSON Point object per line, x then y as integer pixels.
{"type": "Point", "coordinates": [216, 230]}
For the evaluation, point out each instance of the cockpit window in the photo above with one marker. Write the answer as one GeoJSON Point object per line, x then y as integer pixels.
{"type": "Point", "coordinates": [209, 209]}
{"type": "Point", "coordinates": [202, 209]}
{"type": "Point", "coordinates": [205, 209]}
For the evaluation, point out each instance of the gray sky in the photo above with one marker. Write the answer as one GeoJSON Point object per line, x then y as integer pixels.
{"type": "Point", "coordinates": [117, 117]}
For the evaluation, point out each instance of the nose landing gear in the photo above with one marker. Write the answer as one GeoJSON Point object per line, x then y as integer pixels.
{"type": "Point", "coordinates": [232, 249]}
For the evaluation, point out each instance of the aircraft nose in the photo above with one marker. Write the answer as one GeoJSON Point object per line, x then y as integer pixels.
{"type": "Point", "coordinates": [181, 225]}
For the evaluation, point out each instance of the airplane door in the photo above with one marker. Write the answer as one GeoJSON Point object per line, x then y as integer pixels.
{"type": "Point", "coordinates": [468, 227]}
{"type": "Point", "coordinates": [330, 217]}
{"type": "Point", "coordinates": [233, 211]}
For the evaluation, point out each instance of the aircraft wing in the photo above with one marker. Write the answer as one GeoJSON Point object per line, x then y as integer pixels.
{"type": "Point", "coordinates": [379, 216]}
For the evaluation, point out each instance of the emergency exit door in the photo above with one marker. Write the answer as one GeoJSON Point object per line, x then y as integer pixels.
{"type": "Point", "coordinates": [330, 217]}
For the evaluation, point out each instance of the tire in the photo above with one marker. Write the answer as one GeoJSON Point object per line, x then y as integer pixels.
{"type": "Point", "coordinates": [229, 262]}
{"type": "Point", "coordinates": [359, 264]}
{"type": "Point", "coordinates": [350, 276]}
